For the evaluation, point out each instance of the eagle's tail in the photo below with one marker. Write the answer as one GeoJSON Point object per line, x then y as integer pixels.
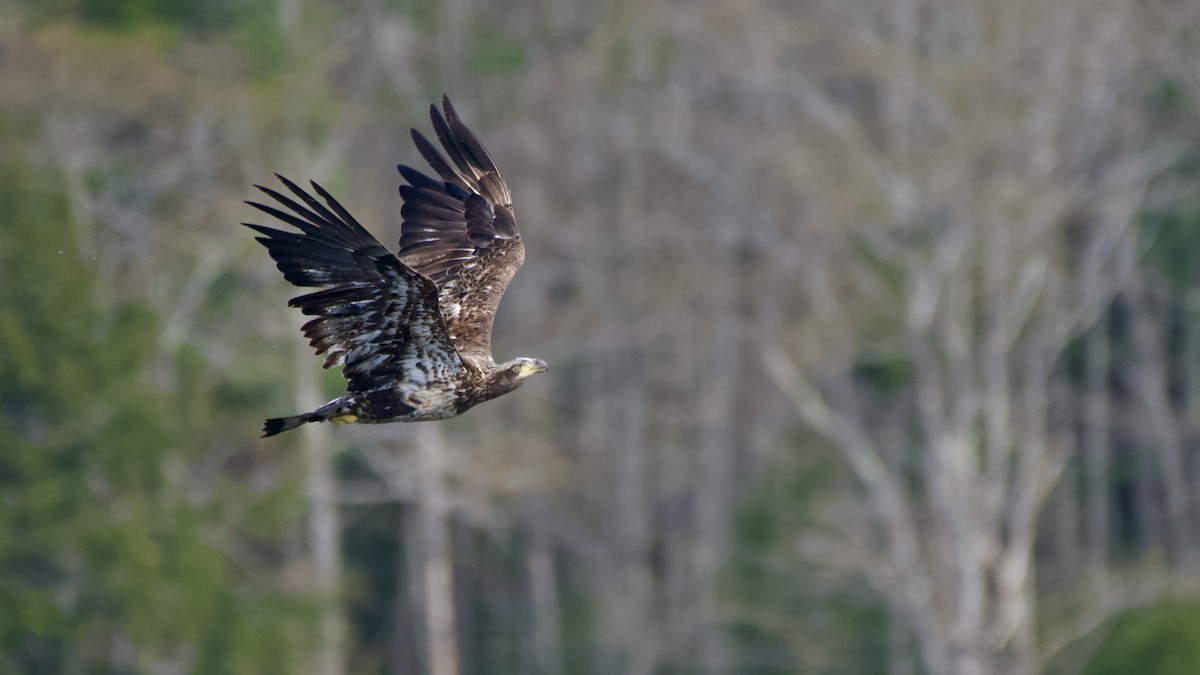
{"type": "Point", "coordinates": [278, 425]}
{"type": "Point", "coordinates": [338, 411]}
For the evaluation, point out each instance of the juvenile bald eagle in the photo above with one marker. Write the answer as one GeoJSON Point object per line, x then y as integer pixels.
{"type": "Point", "coordinates": [411, 331]}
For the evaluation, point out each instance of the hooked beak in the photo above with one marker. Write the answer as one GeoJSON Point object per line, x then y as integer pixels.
{"type": "Point", "coordinates": [533, 367]}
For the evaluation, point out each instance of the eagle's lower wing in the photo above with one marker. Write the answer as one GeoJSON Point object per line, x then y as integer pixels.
{"type": "Point", "coordinates": [460, 231]}
{"type": "Point", "coordinates": [376, 317]}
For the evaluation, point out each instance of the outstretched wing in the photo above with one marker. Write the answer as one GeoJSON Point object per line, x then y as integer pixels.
{"type": "Point", "coordinates": [460, 231]}
{"type": "Point", "coordinates": [376, 317]}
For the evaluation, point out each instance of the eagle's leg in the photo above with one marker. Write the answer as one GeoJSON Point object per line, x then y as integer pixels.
{"type": "Point", "coordinates": [338, 411]}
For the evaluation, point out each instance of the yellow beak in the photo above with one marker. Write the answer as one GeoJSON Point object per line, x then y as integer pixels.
{"type": "Point", "coordinates": [538, 366]}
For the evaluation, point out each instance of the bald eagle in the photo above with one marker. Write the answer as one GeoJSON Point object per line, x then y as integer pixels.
{"type": "Point", "coordinates": [411, 331]}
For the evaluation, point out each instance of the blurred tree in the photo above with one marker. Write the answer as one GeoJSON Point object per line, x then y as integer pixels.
{"type": "Point", "coordinates": [109, 559]}
{"type": "Point", "coordinates": [1005, 171]}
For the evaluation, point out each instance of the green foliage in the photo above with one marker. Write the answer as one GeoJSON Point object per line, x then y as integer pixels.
{"type": "Point", "coordinates": [1163, 639]}
{"type": "Point", "coordinates": [193, 16]}
{"type": "Point", "coordinates": [492, 52]}
{"type": "Point", "coordinates": [257, 37]}
{"type": "Point", "coordinates": [579, 626]}
{"type": "Point", "coordinates": [1171, 239]}
{"type": "Point", "coordinates": [890, 272]}
{"type": "Point", "coordinates": [885, 374]}
{"type": "Point", "coordinates": [107, 562]}
{"type": "Point", "coordinates": [496, 57]}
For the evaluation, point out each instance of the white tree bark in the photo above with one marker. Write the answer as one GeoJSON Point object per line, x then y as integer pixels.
{"type": "Point", "coordinates": [438, 568]}
{"type": "Point", "coordinates": [324, 531]}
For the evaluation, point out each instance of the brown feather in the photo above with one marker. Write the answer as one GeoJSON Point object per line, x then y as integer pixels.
{"type": "Point", "coordinates": [461, 231]}
{"type": "Point", "coordinates": [376, 317]}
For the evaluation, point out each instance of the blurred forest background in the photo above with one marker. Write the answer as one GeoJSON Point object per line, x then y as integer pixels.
{"type": "Point", "coordinates": [874, 330]}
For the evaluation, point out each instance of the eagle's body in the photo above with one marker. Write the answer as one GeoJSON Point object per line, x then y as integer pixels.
{"type": "Point", "coordinates": [411, 332]}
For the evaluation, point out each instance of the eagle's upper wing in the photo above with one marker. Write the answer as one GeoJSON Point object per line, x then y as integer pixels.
{"type": "Point", "coordinates": [460, 231]}
{"type": "Point", "coordinates": [375, 316]}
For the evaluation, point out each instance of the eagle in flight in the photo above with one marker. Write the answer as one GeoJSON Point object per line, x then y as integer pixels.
{"type": "Point", "coordinates": [411, 331]}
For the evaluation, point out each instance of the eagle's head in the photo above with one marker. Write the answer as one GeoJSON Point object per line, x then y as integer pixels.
{"type": "Point", "coordinates": [524, 366]}
{"type": "Point", "coordinates": [513, 373]}
{"type": "Point", "coordinates": [501, 380]}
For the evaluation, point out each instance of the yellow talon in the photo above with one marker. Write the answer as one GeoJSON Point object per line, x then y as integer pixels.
{"type": "Point", "coordinates": [345, 418]}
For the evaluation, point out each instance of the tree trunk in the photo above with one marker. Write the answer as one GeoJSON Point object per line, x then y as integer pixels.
{"type": "Point", "coordinates": [323, 522]}
{"type": "Point", "coordinates": [543, 592]}
{"type": "Point", "coordinates": [1096, 449]}
{"type": "Point", "coordinates": [1151, 384]}
{"type": "Point", "coordinates": [438, 569]}
{"type": "Point", "coordinates": [714, 484]}
{"type": "Point", "coordinates": [404, 656]}
{"type": "Point", "coordinates": [629, 610]}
